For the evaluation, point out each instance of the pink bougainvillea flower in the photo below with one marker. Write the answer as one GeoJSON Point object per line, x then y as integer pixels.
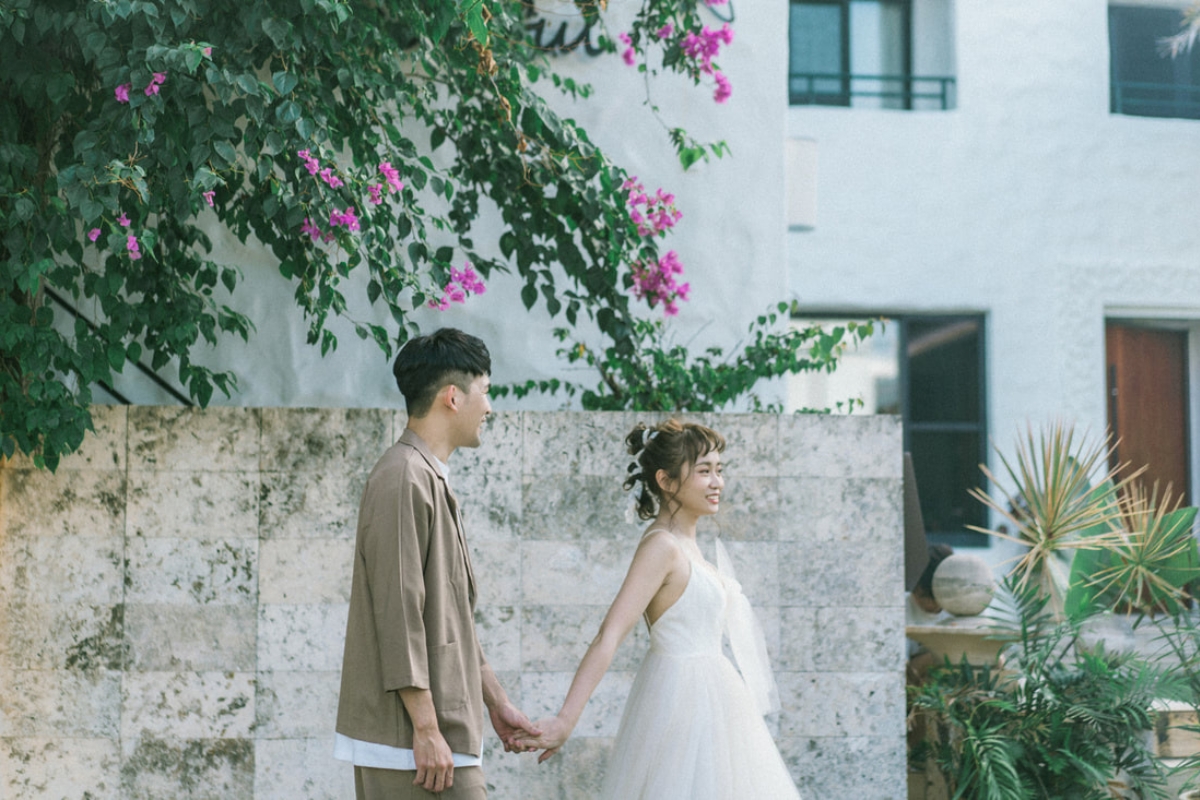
{"type": "Point", "coordinates": [123, 220]}
{"type": "Point", "coordinates": [724, 88]}
{"type": "Point", "coordinates": [715, 2]}
{"type": "Point", "coordinates": [391, 175]}
{"type": "Point", "coordinates": [311, 164]}
{"type": "Point", "coordinates": [665, 31]}
{"type": "Point", "coordinates": [376, 192]}
{"type": "Point", "coordinates": [207, 52]}
{"type": "Point", "coordinates": [328, 176]}
{"type": "Point", "coordinates": [348, 218]}
{"type": "Point", "coordinates": [155, 81]}
{"type": "Point", "coordinates": [463, 283]}
{"type": "Point", "coordinates": [311, 229]}
{"type": "Point", "coordinates": [122, 92]}
{"type": "Point", "coordinates": [93, 234]}
{"type": "Point", "coordinates": [208, 196]}
{"type": "Point", "coordinates": [131, 244]}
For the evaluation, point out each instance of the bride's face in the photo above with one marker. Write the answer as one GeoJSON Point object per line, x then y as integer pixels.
{"type": "Point", "coordinates": [699, 490]}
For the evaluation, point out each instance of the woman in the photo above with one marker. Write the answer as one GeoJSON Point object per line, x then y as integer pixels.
{"type": "Point", "coordinates": [692, 727]}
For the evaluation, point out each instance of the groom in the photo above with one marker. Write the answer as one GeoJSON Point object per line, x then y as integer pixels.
{"type": "Point", "coordinates": [414, 679]}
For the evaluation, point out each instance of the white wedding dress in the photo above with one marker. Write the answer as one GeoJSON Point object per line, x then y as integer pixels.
{"type": "Point", "coordinates": [692, 729]}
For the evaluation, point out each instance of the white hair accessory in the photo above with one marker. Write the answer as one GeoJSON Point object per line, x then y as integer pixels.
{"type": "Point", "coordinates": [648, 436]}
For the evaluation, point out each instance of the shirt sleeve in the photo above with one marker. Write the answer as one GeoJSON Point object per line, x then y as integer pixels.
{"type": "Point", "coordinates": [401, 519]}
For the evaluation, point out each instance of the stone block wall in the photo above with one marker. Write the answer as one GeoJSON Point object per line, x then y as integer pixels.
{"type": "Point", "coordinates": [173, 599]}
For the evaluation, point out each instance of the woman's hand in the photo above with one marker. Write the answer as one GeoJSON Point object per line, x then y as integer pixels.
{"type": "Point", "coordinates": [555, 732]}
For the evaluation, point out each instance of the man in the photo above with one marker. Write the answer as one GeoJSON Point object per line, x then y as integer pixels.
{"type": "Point", "coordinates": [414, 679]}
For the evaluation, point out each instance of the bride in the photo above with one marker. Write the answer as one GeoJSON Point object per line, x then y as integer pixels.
{"type": "Point", "coordinates": [692, 727]}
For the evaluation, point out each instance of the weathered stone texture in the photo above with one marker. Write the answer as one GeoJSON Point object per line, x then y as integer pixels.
{"type": "Point", "coordinates": [173, 601]}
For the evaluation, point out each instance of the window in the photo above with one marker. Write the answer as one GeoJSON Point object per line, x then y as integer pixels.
{"type": "Point", "coordinates": [861, 53]}
{"type": "Point", "coordinates": [930, 371]}
{"type": "Point", "coordinates": [1145, 82]}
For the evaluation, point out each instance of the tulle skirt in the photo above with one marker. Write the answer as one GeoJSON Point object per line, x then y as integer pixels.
{"type": "Point", "coordinates": [690, 732]}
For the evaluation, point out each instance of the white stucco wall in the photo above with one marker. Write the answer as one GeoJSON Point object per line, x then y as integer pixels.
{"type": "Point", "coordinates": [1029, 202]}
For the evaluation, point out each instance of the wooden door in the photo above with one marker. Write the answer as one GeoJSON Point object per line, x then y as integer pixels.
{"type": "Point", "coordinates": [1147, 403]}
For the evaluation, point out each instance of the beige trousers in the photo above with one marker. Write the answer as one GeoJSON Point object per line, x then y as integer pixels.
{"type": "Point", "coordinates": [397, 784]}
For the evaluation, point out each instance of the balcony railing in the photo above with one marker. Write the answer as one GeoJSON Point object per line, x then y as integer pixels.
{"type": "Point", "coordinates": [1176, 100]}
{"type": "Point", "coordinates": [887, 91]}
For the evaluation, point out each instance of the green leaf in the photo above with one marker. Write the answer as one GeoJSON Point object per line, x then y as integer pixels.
{"type": "Point", "coordinates": [284, 83]}
{"type": "Point", "coordinates": [475, 22]}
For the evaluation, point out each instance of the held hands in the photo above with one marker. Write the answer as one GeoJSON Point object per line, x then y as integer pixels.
{"type": "Point", "coordinates": [554, 734]}
{"type": "Point", "coordinates": [511, 726]}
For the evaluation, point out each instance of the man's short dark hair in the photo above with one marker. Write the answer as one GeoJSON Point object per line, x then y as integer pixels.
{"type": "Point", "coordinates": [427, 363]}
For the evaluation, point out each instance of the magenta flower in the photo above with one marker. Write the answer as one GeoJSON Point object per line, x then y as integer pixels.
{"type": "Point", "coordinates": [131, 244]}
{"type": "Point", "coordinates": [715, 2]}
{"type": "Point", "coordinates": [376, 192]}
{"type": "Point", "coordinates": [328, 176]}
{"type": "Point", "coordinates": [463, 283]}
{"type": "Point", "coordinates": [123, 220]}
{"type": "Point", "coordinates": [208, 197]}
{"type": "Point", "coordinates": [665, 31]}
{"type": "Point", "coordinates": [207, 52]}
{"type": "Point", "coordinates": [122, 92]}
{"type": "Point", "coordinates": [347, 218]}
{"type": "Point", "coordinates": [93, 234]}
{"type": "Point", "coordinates": [311, 229]}
{"type": "Point", "coordinates": [391, 175]}
{"type": "Point", "coordinates": [655, 283]}
{"type": "Point", "coordinates": [724, 88]}
{"type": "Point", "coordinates": [311, 164]}
{"type": "Point", "coordinates": [155, 81]}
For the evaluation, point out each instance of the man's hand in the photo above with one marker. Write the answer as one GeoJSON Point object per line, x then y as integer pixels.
{"type": "Point", "coordinates": [511, 725]}
{"type": "Point", "coordinates": [435, 762]}
{"type": "Point", "coordinates": [555, 732]}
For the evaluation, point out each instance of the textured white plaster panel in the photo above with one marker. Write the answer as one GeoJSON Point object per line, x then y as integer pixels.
{"type": "Point", "coordinates": [324, 439]}
{"type": "Point", "coordinates": [840, 447]}
{"type": "Point", "coordinates": [822, 511]}
{"type": "Point", "coordinates": [59, 635]}
{"type": "Point", "coordinates": [584, 573]}
{"type": "Point", "coordinates": [61, 703]}
{"type": "Point", "coordinates": [300, 505]}
{"type": "Point", "coordinates": [797, 639]}
{"type": "Point", "coordinates": [501, 770]}
{"type": "Point", "coordinates": [199, 769]}
{"type": "Point", "coordinates": [188, 705]}
{"type": "Point", "coordinates": [305, 570]}
{"type": "Point", "coordinates": [490, 499]}
{"type": "Point", "coordinates": [866, 639]}
{"type": "Point", "coordinates": [61, 569]}
{"type": "Point", "coordinates": [829, 577]}
{"type": "Point", "coordinates": [575, 508]}
{"type": "Point", "coordinates": [301, 769]}
{"type": "Point", "coordinates": [497, 567]}
{"type": "Point", "coordinates": [750, 510]}
{"type": "Point", "coordinates": [841, 704]}
{"type": "Point", "coordinates": [60, 768]}
{"type": "Point", "coordinates": [217, 439]}
{"type": "Point", "coordinates": [756, 565]}
{"type": "Point", "coordinates": [845, 767]}
{"type": "Point", "coordinates": [296, 705]}
{"type": "Point", "coordinates": [193, 504]}
{"type": "Point", "coordinates": [499, 630]}
{"type": "Point", "coordinates": [301, 637]}
{"type": "Point", "coordinates": [195, 637]}
{"type": "Point", "coordinates": [193, 571]}
{"type": "Point", "coordinates": [566, 443]}
{"type": "Point", "coordinates": [555, 637]}
{"type": "Point", "coordinates": [67, 503]}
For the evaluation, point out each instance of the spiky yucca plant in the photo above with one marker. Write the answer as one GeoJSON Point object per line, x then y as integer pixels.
{"type": "Point", "coordinates": [1053, 509]}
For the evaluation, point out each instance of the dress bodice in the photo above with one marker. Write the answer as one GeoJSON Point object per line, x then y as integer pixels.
{"type": "Point", "coordinates": [693, 625]}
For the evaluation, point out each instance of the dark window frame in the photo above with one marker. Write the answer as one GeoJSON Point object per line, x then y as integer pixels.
{"type": "Point", "coordinates": [1134, 89]}
{"type": "Point", "coordinates": [979, 427]}
{"type": "Point", "coordinates": [905, 87]}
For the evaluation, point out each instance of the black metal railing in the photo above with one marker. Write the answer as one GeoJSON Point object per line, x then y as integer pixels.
{"type": "Point", "coordinates": [1136, 99]}
{"type": "Point", "coordinates": [893, 91]}
{"type": "Point", "coordinates": [149, 373]}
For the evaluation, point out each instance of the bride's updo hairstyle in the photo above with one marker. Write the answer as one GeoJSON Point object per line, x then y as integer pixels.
{"type": "Point", "coordinates": [671, 446]}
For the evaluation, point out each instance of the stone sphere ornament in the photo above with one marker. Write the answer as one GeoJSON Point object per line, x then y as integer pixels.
{"type": "Point", "coordinates": [963, 584]}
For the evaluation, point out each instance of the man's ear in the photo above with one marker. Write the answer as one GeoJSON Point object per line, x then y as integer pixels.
{"type": "Point", "coordinates": [448, 395]}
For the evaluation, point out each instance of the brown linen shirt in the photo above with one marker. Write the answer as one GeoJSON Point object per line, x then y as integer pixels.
{"type": "Point", "coordinates": [412, 600]}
